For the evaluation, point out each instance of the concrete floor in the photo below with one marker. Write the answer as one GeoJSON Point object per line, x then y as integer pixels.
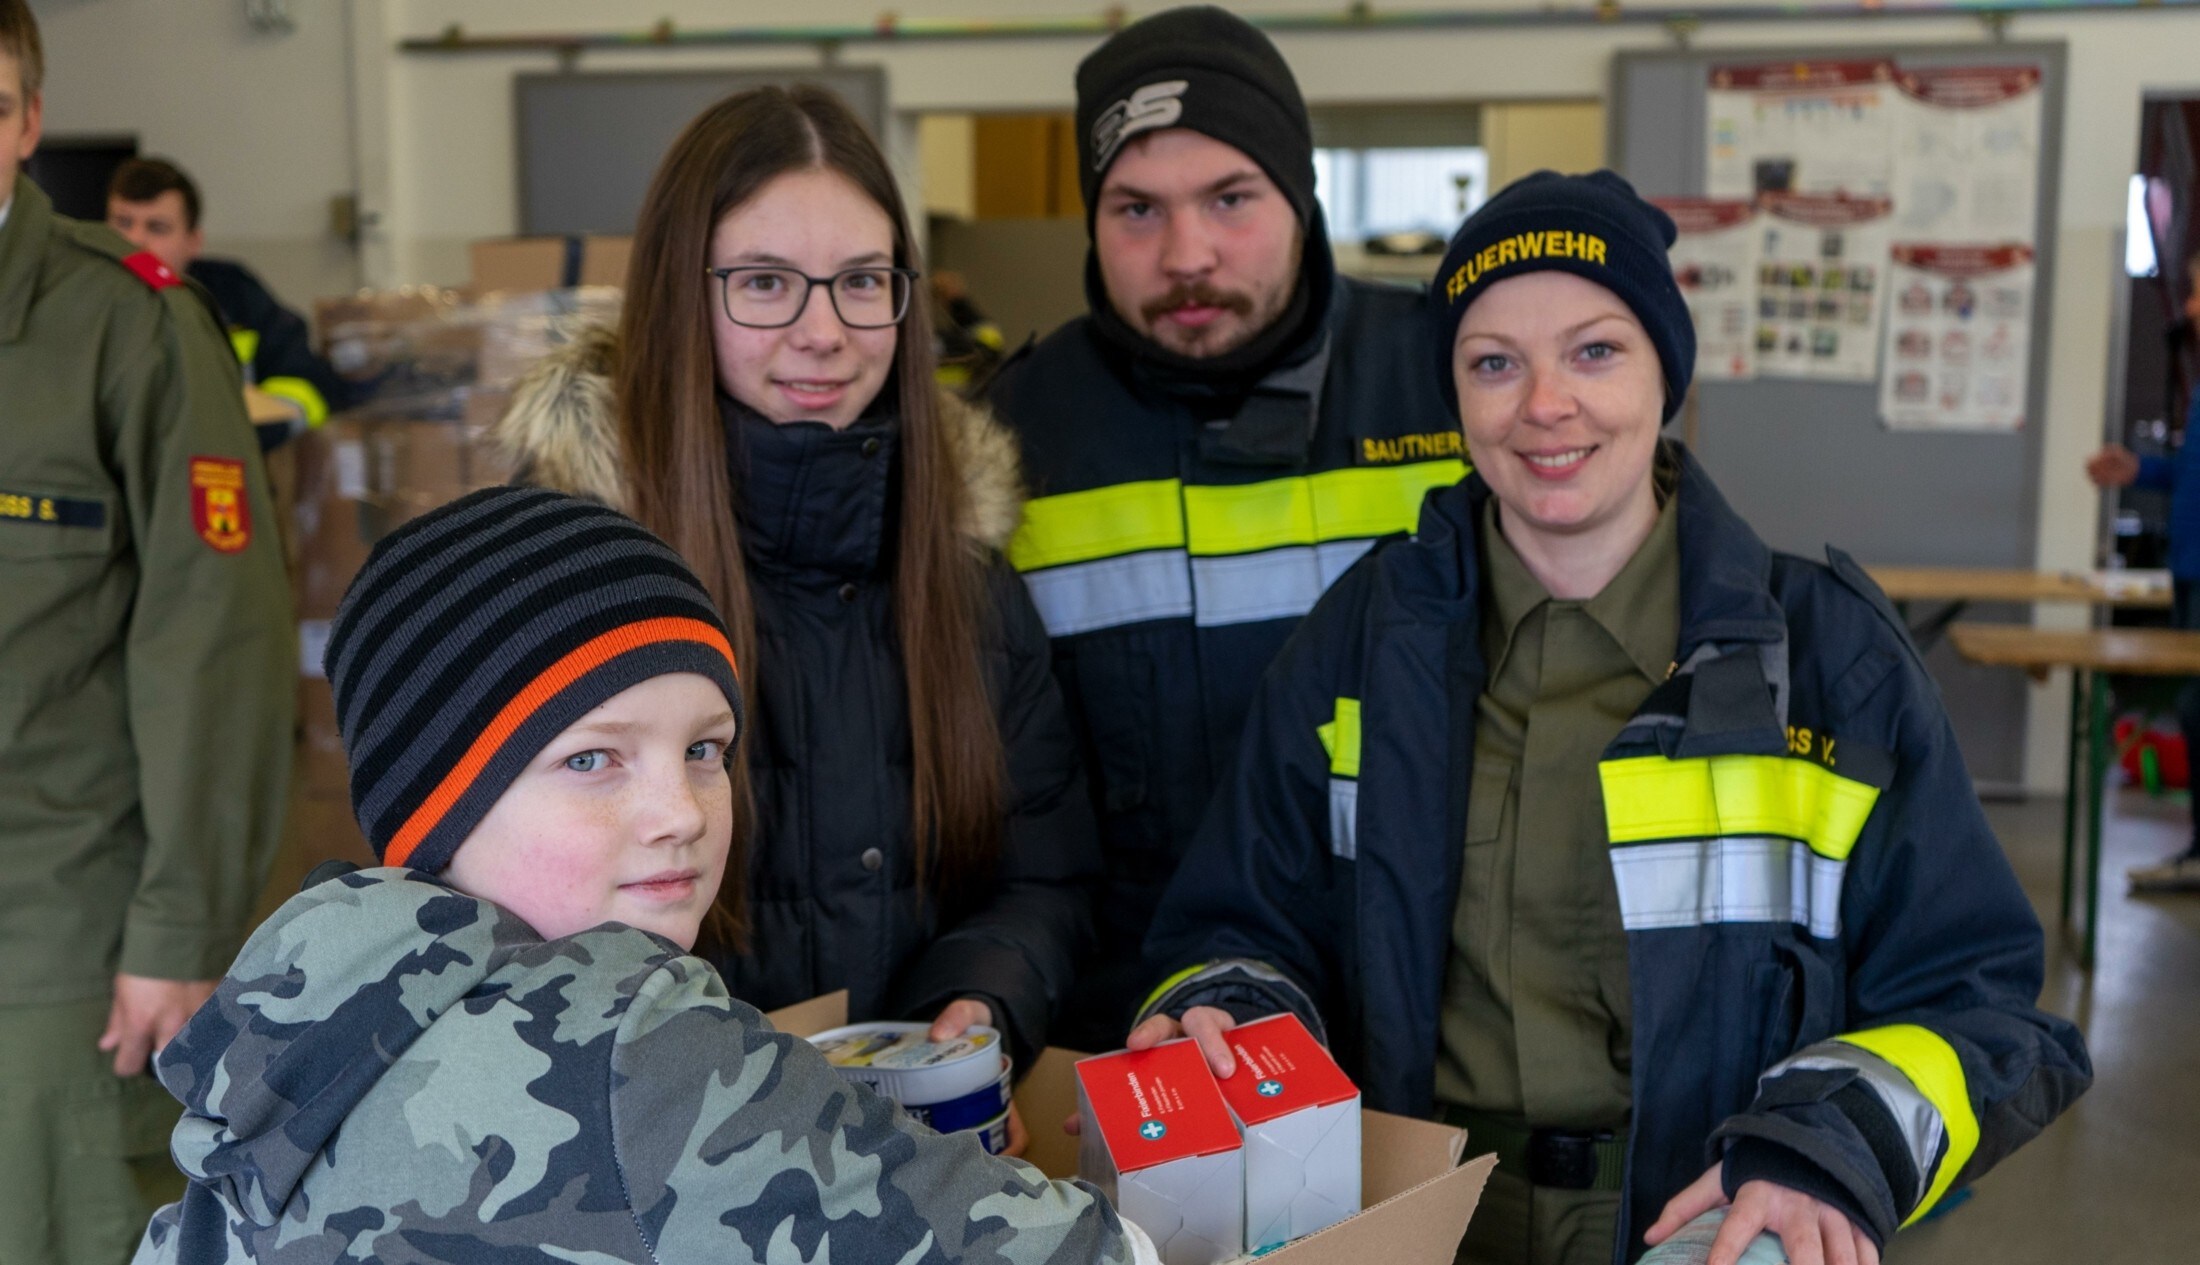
{"type": "Point", "coordinates": [2117, 1179]}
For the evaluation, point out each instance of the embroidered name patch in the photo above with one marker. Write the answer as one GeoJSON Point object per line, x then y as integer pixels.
{"type": "Point", "coordinates": [218, 507]}
{"type": "Point", "coordinates": [62, 511]}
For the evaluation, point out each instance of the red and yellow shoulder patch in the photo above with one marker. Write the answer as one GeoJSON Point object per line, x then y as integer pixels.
{"type": "Point", "coordinates": [219, 509]}
{"type": "Point", "coordinates": [151, 270]}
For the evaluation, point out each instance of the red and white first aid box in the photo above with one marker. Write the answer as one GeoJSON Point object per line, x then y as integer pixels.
{"type": "Point", "coordinates": [1300, 1118]}
{"type": "Point", "coordinates": [1158, 1139]}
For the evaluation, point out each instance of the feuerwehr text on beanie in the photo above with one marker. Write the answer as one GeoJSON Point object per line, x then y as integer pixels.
{"type": "Point", "coordinates": [1594, 226]}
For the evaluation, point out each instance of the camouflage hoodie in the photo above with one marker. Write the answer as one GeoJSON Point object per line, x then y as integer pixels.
{"type": "Point", "coordinates": [396, 1071]}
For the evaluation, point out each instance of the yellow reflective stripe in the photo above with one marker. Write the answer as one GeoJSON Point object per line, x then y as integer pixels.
{"type": "Point", "coordinates": [1377, 500]}
{"type": "Point", "coordinates": [301, 393]}
{"type": "Point", "coordinates": [1332, 505]}
{"type": "Point", "coordinates": [246, 343]}
{"type": "Point", "coordinates": [1341, 739]}
{"type": "Point", "coordinates": [1245, 517]}
{"type": "Point", "coordinates": [1098, 523]}
{"type": "Point", "coordinates": [1219, 519]}
{"type": "Point", "coordinates": [1153, 998]}
{"type": "Point", "coordinates": [1650, 797]}
{"type": "Point", "coordinates": [1933, 1067]}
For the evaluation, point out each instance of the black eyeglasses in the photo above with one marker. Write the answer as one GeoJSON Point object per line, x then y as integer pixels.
{"type": "Point", "coordinates": [774, 298]}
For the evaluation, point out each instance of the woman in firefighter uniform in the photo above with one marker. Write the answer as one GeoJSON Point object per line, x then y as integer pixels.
{"type": "Point", "coordinates": [1585, 820]}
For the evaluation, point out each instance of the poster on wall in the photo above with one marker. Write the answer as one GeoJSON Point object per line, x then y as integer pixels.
{"type": "Point", "coordinates": [1715, 261]}
{"type": "Point", "coordinates": [1800, 127]}
{"type": "Point", "coordinates": [1821, 271]}
{"type": "Point", "coordinates": [1967, 153]}
{"type": "Point", "coordinates": [1958, 332]}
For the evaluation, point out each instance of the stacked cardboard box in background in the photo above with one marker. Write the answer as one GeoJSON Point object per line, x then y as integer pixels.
{"type": "Point", "coordinates": [434, 370]}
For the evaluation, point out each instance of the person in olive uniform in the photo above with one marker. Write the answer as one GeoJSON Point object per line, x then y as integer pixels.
{"type": "Point", "coordinates": [145, 698]}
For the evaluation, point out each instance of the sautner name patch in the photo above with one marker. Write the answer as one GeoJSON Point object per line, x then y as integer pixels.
{"type": "Point", "coordinates": [218, 506]}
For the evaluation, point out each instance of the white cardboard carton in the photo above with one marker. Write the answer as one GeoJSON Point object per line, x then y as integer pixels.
{"type": "Point", "coordinates": [1418, 1195]}
{"type": "Point", "coordinates": [1159, 1141]}
{"type": "Point", "coordinates": [1300, 1117]}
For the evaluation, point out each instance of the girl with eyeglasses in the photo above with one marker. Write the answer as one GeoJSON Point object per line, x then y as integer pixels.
{"type": "Point", "coordinates": [911, 823]}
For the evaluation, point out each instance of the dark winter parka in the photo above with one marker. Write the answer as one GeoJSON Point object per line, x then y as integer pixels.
{"type": "Point", "coordinates": [1834, 972]}
{"type": "Point", "coordinates": [832, 881]}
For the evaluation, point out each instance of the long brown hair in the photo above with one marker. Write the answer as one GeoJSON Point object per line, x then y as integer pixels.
{"type": "Point", "coordinates": [680, 487]}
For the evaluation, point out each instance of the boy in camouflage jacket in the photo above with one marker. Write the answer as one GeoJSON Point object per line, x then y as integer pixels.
{"type": "Point", "coordinates": [499, 1044]}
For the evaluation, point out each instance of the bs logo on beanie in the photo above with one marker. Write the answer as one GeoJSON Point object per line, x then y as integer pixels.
{"type": "Point", "coordinates": [478, 632]}
{"type": "Point", "coordinates": [1200, 68]}
{"type": "Point", "coordinates": [1596, 227]}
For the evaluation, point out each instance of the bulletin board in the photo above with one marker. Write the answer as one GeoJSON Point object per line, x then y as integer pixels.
{"type": "Point", "coordinates": [1806, 432]}
{"type": "Point", "coordinates": [588, 144]}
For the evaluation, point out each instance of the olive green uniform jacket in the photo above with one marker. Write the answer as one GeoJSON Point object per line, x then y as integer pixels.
{"type": "Point", "coordinates": [146, 644]}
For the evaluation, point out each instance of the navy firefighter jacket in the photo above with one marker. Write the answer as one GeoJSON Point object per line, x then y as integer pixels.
{"type": "Point", "coordinates": [1830, 958]}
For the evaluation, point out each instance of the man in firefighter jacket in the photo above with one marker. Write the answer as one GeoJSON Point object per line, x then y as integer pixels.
{"type": "Point", "coordinates": [1585, 820]}
{"type": "Point", "coordinates": [1212, 445]}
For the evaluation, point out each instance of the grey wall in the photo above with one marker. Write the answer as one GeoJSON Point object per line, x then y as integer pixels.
{"type": "Point", "coordinates": [1808, 463]}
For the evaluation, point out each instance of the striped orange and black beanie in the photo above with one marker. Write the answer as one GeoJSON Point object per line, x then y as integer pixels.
{"type": "Point", "coordinates": [476, 633]}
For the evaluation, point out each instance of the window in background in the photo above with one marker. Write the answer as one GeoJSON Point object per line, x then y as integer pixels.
{"type": "Point", "coordinates": [1368, 193]}
{"type": "Point", "coordinates": [2139, 258]}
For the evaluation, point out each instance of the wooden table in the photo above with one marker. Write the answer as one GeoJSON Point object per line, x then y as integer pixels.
{"type": "Point", "coordinates": [1958, 587]}
{"type": "Point", "coordinates": [2089, 653]}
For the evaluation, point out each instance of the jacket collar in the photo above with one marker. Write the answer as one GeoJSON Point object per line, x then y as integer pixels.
{"type": "Point", "coordinates": [22, 251]}
{"type": "Point", "coordinates": [812, 501]}
{"type": "Point", "coordinates": [1731, 687]}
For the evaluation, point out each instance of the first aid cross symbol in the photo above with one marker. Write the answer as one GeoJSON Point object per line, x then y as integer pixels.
{"type": "Point", "coordinates": [1269, 1089]}
{"type": "Point", "coordinates": [1153, 1130]}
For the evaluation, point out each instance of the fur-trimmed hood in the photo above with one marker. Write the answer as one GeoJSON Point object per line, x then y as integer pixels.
{"type": "Point", "coordinates": [560, 431]}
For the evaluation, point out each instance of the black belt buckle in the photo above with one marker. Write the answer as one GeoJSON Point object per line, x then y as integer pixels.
{"type": "Point", "coordinates": [1564, 1160]}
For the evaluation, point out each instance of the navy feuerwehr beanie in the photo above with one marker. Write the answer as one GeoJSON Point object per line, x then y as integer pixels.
{"type": "Point", "coordinates": [1594, 226]}
{"type": "Point", "coordinates": [477, 632]}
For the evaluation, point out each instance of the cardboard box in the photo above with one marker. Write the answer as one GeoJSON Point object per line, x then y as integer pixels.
{"type": "Point", "coordinates": [548, 263]}
{"type": "Point", "coordinates": [1300, 1118]}
{"type": "Point", "coordinates": [1418, 1196]}
{"type": "Point", "coordinates": [1159, 1141]}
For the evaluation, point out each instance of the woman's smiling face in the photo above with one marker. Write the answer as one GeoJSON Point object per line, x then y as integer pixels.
{"type": "Point", "coordinates": [1561, 395]}
{"type": "Point", "coordinates": [816, 222]}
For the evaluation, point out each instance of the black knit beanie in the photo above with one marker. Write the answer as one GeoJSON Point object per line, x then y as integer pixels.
{"type": "Point", "coordinates": [1594, 226]}
{"type": "Point", "coordinates": [477, 632]}
{"type": "Point", "coordinates": [1200, 68]}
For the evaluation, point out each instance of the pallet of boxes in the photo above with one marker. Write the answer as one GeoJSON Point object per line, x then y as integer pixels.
{"type": "Point", "coordinates": [431, 370]}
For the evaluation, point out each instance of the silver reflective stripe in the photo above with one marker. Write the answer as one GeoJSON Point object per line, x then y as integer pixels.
{"type": "Point", "coordinates": [1344, 817]}
{"type": "Point", "coordinates": [1243, 588]}
{"type": "Point", "coordinates": [1275, 584]}
{"type": "Point", "coordinates": [1126, 590]}
{"type": "Point", "coordinates": [1915, 1117]}
{"type": "Point", "coordinates": [1698, 882]}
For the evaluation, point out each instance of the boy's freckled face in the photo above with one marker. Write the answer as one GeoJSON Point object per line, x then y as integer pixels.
{"type": "Point", "coordinates": [624, 817]}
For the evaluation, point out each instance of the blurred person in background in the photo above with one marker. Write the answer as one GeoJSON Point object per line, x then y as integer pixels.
{"type": "Point", "coordinates": [2178, 474]}
{"type": "Point", "coordinates": [155, 204]}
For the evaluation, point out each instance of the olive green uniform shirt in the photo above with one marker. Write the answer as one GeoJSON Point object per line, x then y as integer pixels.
{"type": "Point", "coordinates": [147, 653]}
{"type": "Point", "coordinates": [1535, 1021]}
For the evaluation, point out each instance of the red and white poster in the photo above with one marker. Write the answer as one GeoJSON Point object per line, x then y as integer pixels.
{"type": "Point", "coordinates": [1967, 153]}
{"type": "Point", "coordinates": [1800, 127]}
{"type": "Point", "coordinates": [1959, 328]}
{"type": "Point", "coordinates": [1715, 261]}
{"type": "Point", "coordinates": [1820, 276]}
